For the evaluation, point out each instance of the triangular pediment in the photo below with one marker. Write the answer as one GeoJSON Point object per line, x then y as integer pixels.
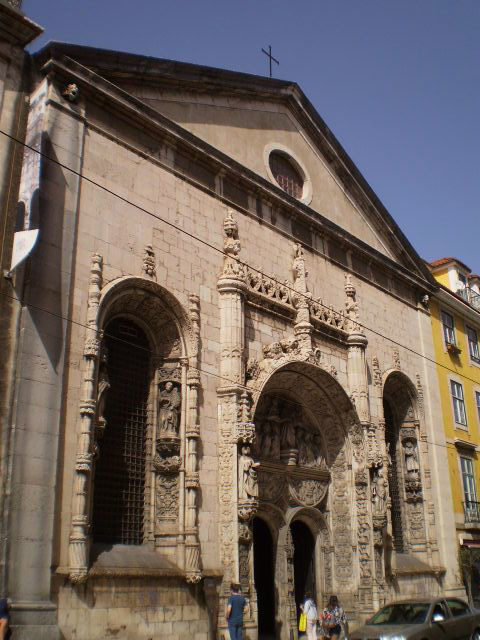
{"type": "Point", "coordinates": [247, 117]}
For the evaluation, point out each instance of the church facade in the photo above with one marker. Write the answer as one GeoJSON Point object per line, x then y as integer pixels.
{"type": "Point", "coordinates": [223, 372]}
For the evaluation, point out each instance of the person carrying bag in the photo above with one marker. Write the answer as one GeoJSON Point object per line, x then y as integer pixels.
{"type": "Point", "coordinates": [309, 610]}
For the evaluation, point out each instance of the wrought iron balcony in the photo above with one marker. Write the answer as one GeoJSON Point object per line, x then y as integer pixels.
{"type": "Point", "coordinates": [471, 511]}
{"type": "Point", "coordinates": [471, 296]}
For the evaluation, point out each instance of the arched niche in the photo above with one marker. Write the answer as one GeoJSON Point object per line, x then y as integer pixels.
{"type": "Point", "coordinates": [402, 434]}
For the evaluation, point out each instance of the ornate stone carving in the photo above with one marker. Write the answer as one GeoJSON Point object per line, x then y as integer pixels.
{"type": "Point", "coordinates": [376, 373]}
{"type": "Point", "coordinates": [412, 466]}
{"type": "Point", "coordinates": [78, 541]}
{"type": "Point", "coordinates": [420, 398]}
{"type": "Point", "coordinates": [149, 267]}
{"type": "Point", "coordinates": [167, 493]}
{"type": "Point", "coordinates": [271, 486]}
{"type": "Point", "coordinates": [358, 441]}
{"type": "Point", "coordinates": [379, 491]}
{"type": "Point", "coordinates": [71, 92]}
{"type": "Point", "coordinates": [309, 492]}
{"type": "Point", "coordinates": [247, 475]}
{"type": "Point", "coordinates": [351, 305]}
{"type": "Point", "coordinates": [232, 266]}
{"type": "Point", "coordinates": [167, 456]}
{"type": "Point", "coordinates": [169, 403]}
{"type": "Point", "coordinates": [396, 360]}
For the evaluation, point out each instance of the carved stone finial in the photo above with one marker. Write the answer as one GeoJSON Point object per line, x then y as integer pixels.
{"type": "Point", "coordinates": [351, 305]}
{"type": "Point", "coordinates": [299, 268]}
{"type": "Point", "coordinates": [71, 92]}
{"type": "Point", "coordinates": [149, 267]}
{"type": "Point", "coordinates": [232, 267]}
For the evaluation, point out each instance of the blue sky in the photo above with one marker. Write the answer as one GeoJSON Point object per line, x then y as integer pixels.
{"type": "Point", "coordinates": [397, 81]}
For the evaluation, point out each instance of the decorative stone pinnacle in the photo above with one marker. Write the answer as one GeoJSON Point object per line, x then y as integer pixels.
{"type": "Point", "coordinates": [232, 267]}
{"type": "Point", "coordinates": [351, 305]}
{"type": "Point", "coordinates": [300, 271]}
{"type": "Point", "coordinates": [230, 225]}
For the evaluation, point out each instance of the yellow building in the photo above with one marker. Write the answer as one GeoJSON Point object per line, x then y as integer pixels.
{"type": "Point", "coordinates": [455, 313]}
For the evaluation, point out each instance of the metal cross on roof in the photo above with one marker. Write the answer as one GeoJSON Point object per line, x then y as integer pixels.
{"type": "Point", "coordinates": [270, 57]}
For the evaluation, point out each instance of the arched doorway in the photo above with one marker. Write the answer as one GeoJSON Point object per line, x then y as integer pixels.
{"type": "Point", "coordinates": [263, 560]}
{"type": "Point", "coordinates": [303, 562]}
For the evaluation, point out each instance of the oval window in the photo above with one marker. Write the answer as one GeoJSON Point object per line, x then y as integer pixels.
{"type": "Point", "coordinates": [286, 174]}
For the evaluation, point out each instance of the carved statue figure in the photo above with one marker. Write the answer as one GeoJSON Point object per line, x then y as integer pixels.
{"type": "Point", "coordinates": [288, 435]}
{"type": "Point", "coordinates": [411, 459]}
{"type": "Point", "coordinates": [103, 388]}
{"type": "Point", "coordinates": [318, 452]}
{"type": "Point", "coordinates": [169, 402]}
{"type": "Point", "coordinates": [302, 446]}
{"type": "Point", "coordinates": [247, 475]}
{"type": "Point", "coordinates": [379, 492]}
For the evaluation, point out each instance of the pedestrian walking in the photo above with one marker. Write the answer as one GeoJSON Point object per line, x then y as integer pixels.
{"type": "Point", "coordinates": [333, 617]}
{"type": "Point", "coordinates": [237, 607]}
{"type": "Point", "coordinates": [309, 608]}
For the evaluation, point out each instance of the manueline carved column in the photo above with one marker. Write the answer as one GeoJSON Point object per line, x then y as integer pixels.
{"type": "Point", "coordinates": [303, 327]}
{"type": "Point", "coordinates": [231, 287]}
{"type": "Point", "coordinates": [356, 365]}
{"type": "Point", "coordinates": [79, 542]}
{"type": "Point", "coordinates": [192, 545]}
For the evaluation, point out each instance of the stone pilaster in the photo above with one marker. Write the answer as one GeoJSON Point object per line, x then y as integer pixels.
{"type": "Point", "coordinates": [192, 435]}
{"type": "Point", "coordinates": [231, 287]}
{"type": "Point", "coordinates": [78, 547]}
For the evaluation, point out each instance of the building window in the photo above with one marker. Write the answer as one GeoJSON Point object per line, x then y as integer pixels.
{"type": "Point", "coordinates": [448, 328]}
{"type": "Point", "coordinates": [477, 398]}
{"type": "Point", "coordinates": [286, 174]}
{"type": "Point", "coordinates": [468, 478]}
{"type": "Point", "coordinates": [473, 344]}
{"type": "Point", "coordinates": [458, 403]}
{"type": "Point", "coordinates": [119, 490]}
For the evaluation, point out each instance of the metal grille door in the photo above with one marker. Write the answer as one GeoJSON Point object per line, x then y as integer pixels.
{"type": "Point", "coordinates": [393, 483]}
{"type": "Point", "coordinates": [119, 494]}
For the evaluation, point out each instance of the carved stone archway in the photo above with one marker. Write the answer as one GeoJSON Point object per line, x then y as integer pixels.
{"type": "Point", "coordinates": [307, 436]}
{"type": "Point", "coordinates": [174, 339]}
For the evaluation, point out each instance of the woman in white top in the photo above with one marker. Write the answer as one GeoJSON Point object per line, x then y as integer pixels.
{"type": "Point", "coordinates": [309, 608]}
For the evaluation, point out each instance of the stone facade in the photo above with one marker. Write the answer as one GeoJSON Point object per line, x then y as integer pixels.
{"type": "Point", "coordinates": [270, 363]}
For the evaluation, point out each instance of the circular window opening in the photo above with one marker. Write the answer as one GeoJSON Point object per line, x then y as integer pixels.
{"type": "Point", "coordinates": [286, 174]}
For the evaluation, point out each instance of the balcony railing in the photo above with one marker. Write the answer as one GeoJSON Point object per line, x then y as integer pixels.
{"type": "Point", "coordinates": [471, 511]}
{"type": "Point", "coordinates": [470, 296]}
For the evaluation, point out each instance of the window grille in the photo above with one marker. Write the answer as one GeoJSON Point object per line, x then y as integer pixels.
{"type": "Point", "coordinates": [119, 500]}
{"type": "Point", "coordinates": [393, 479]}
{"type": "Point", "coordinates": [448, 328]}
{"type": "Point", "coordinates": [286, 174]}
{"type": "Point", "coordinates": [458, 403]}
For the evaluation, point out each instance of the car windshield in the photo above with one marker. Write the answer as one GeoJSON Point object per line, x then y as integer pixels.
{"type": "Point", "coordinates": [407, 613]}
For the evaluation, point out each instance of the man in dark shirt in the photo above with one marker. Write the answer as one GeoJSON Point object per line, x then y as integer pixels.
{"type": "Point", "coordinates": [237, 605]}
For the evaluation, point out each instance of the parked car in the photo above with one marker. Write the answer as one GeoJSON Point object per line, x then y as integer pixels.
{"type": "Point", "coordinates": [422, 619]}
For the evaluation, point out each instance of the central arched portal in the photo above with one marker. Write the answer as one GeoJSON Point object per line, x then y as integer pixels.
{"type": "Point", "coordinates": [302, 420]}
{"type": "Point", "coordinates": [303, 562]}
{"type": "Point", "coordinates": [264, 578]}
